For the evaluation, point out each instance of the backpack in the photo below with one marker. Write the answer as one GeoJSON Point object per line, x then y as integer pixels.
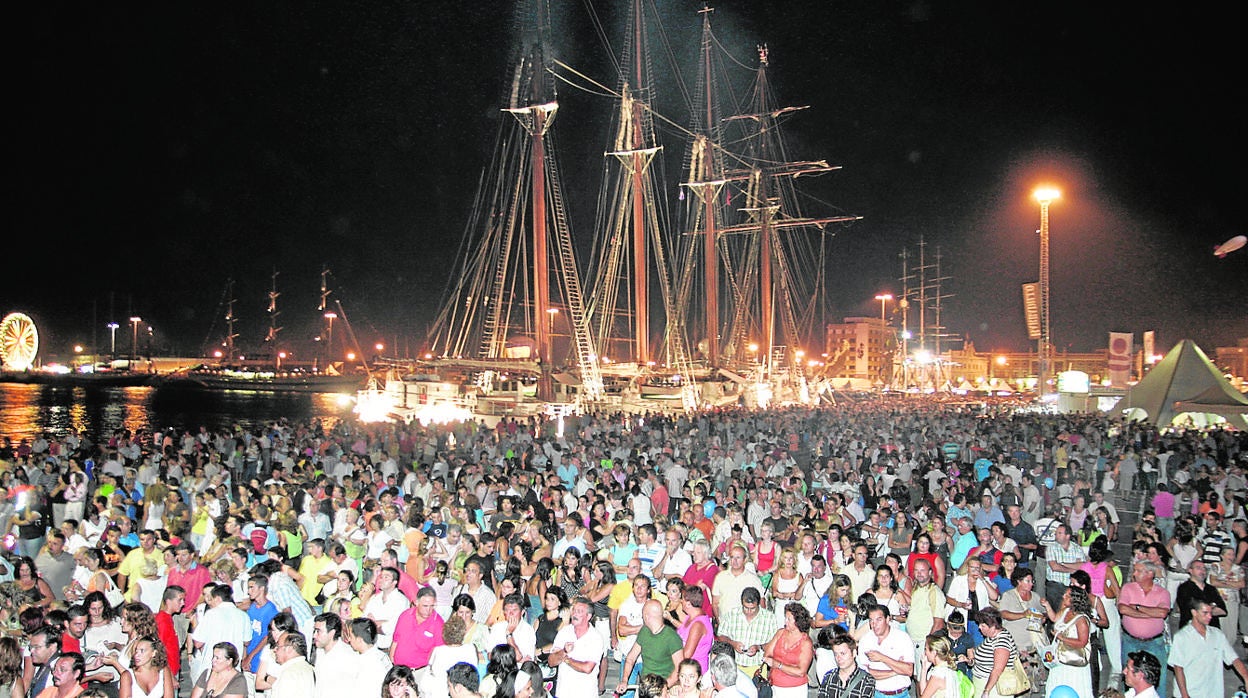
{"type": "Point", "coordinates": [966, 689]}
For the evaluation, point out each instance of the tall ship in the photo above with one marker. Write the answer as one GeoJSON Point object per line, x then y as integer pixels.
{"type": "Point", "coordinates": [704, 282]}
{"type": "Point", "coordinates": [273, 364]}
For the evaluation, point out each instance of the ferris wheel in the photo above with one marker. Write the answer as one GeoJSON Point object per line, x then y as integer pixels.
{"type": "Point", "coordinates": [19, 341]}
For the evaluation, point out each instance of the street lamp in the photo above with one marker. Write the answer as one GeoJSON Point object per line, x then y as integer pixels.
{"type": "Point", "coordinates": [329, 335]}
{"type": "Point", "coordinates": [112, 329]}
{"type": "Point", "coordinates": [1046, 196]}
{"type": "Point", "coordinates": [883, 298]}
{"type": "Point", "coordinates": [134, 338]}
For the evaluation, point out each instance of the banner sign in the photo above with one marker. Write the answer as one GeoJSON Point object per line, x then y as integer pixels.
{"type": "Point", "coordinates": [1031, 309]}
{"type": "Point", "coordinates": [1120, 352]}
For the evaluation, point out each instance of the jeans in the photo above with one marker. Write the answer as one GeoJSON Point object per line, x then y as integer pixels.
{"type": "Point", "coordinates": [30, 547]}
{"type": "Point", "coordinates": [1159, 648]}
{"type": "Point", "coordinates": [1165, 526]}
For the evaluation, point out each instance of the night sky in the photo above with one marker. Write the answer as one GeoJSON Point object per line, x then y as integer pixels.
{"type": "Point", "coordinates": [160, 150]}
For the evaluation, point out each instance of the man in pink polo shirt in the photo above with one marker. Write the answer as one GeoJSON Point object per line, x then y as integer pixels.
{"type": "Point", "coordinates": [417, 631]}
{"type": "Point", "coordinates": [1144, 607]}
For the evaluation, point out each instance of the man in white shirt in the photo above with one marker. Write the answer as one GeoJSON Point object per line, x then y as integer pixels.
{"type": "Point", "coordinates": [371, 664]}
{"type": "Point", "coordinates": [817, 583]}
{"type": "Point", "coordinates": [297, 678]}
{"type": "Point", "coordinates": [1141, 675]}
{"type": "Point", "coordinates": [887, 654]}
{"type": "Point", "coordinates": [514, 630]}
{"type": "Point", "coordinates": [578, 650]}
{"type": "Point", "coordinates": [573, 537]}
{"type": "Point", "coordinates": [1198, 653]}
{"type": "Point", "coordinates": [673, 561]}
{"type": "Point", "coordinates": [627, 619]}
{"type": "Point", "coordinates": [221, 622]}
{"type": "Point", "coordinates": [335, 660]}
{"type": "Point", "coordinates": [386, 605]}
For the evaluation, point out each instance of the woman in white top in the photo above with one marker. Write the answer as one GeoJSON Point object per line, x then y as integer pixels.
{"type": "Point", "coordinates": [378, 538]}
{"type": "Point", "coordinates": [149, 676]}
{"type": "Point", "coordinates": [454, 650]}
{"type": "Point", "coordinates": [969, 590]}
{"type": "Point", "coordinates": [940, 680]}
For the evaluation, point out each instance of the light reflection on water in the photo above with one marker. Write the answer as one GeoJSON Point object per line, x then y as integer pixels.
{"type": "Point", "coordinates": [26, 410]}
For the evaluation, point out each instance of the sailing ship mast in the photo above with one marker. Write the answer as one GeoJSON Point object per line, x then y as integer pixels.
{"type": "Point", "coordinates": [270, 337]}
{"type": "Point", "coordinates": [634, 241]}
{"type": "Point", "coordinates": [772, 267]}
{"type": "Point", "coordinates": [517, 264]}
{"type": "Point", "coordinates": [705, 180]}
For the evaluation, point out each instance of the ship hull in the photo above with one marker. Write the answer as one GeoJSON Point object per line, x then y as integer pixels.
{"type": "Point", "coordinates": [267, 383]}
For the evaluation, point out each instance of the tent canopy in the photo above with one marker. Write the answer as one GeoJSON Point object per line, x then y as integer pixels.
{"type": "Point", "coordinates": [1186, 381]}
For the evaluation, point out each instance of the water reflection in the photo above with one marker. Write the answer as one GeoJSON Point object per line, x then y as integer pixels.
{"type": "Point", "coordinates": [26, 410]}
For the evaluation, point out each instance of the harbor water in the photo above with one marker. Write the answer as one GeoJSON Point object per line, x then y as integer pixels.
{"type": "Point", "coordinates": [27, 410]}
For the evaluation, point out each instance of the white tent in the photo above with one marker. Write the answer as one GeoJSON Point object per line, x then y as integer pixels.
{"type": "Point", "coordinates": [1185, 382]}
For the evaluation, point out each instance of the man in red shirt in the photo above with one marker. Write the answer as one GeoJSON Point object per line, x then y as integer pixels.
{"type": "Point", "coordinates": [660, 500]}
{"type": "Point", "coordinates": [75, 629]}
{"type": "Point", "coordinates": [171, 604]}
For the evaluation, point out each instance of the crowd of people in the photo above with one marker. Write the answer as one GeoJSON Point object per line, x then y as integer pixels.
{"type": "Point", "coordinates": [875, 548]}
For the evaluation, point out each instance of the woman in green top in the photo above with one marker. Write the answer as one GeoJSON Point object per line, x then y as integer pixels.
{"type": "Point", "coordinates": [290, 534]}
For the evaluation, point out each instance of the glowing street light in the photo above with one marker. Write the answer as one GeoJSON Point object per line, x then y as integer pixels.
{"type": "Point", "coordinates": [134, 337]}
{"type": "Point", "coordinates": [330, 316]}
{"type": "Point", "coordinates": [883, 298]}
{"type": "Point", "coordinates": [1046, 196]}
{"type": "Point", "coordinates": [112, 329]}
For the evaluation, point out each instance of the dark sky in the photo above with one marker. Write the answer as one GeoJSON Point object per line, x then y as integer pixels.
{"type": "Point", "coordinates": [163, 149]}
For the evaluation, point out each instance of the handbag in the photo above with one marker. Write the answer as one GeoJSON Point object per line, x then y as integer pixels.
{"type": "Point", "coordinates": [1013, 681]}
{"type": "Point", "coordinates": [762, 681]}
{"type": "Point", "coordinates": [1068, 655]}
{"type": "Point", "coordinates": [1073, 657]}
{"type": "Point", "coordinates": [1057, 652]}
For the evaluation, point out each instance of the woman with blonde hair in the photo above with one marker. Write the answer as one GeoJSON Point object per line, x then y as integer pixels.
{"type": "Point", "coordinates": [971, 591]}
{"type": "Point", "coordinates": [764, 553]}
{"type": "Point", "coordinates": [941, 679]}
{"type": "Point", "coordinates": [787, 583]}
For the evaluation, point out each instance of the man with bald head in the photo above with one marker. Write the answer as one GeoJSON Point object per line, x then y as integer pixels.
{"type": "Point", "coordinates": [659, 647]}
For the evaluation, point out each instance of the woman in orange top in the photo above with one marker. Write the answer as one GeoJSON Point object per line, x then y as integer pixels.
{"type": "Point", "coordinates": [789, 653]}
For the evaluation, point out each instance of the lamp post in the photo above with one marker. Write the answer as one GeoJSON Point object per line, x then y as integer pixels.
{"type": "Point", "coordinates": [134, 338]}
{"type": "Point", "coordinates": [329, 335]}
{"type": "Point", "coordinates": [1044, 351]}
{"type": "Point", "coordinates": [112, 330]}
{"type": "Point", "coordinates": [883, 298]}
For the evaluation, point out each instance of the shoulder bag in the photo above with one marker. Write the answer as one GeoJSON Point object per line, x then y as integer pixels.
{"type": "Point", "coordinates": [762, 681]}
{"type": "Point", "coordinates": [1057, 652]}
{"type": "Point", "coordinates": [1013, 681]}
